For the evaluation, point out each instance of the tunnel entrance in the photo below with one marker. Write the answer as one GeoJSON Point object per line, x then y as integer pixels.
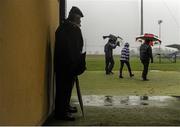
{"type": "Point", "coordinates": [140, 104]}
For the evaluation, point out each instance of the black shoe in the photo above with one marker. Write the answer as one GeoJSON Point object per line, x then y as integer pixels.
{"type": "Point", "coordinates": [145, 79]}
{"type": "Point", "coordinates": [66, 117]}
{"type": "Point", "coordinates": [72, 109]}
{"type": "Point", "coordinates": [107, 73]}
{"type": "Point", "coordinates": [131, 75]}
{"type": "Point", "coordinates": [121, 77]}
{"type": "Point", "coordinates": [111, 73]}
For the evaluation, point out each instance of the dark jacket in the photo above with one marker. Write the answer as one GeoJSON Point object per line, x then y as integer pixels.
{"type": "Point", "coordinates": [68, 47]}
{"type": "Point", "coordinates": [146, 53]}
{"type": "Point", "coordinates": [108, 49]}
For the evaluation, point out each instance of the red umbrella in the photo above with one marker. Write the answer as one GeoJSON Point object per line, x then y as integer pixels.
{"type": "Point", "coordinates": [151, 37]}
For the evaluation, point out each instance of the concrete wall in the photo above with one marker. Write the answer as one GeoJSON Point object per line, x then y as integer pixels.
{"type": "Point", "coordinates": [26, 28]}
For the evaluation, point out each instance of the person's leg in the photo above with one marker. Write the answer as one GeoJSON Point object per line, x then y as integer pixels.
{"type": "Point", "coordinates": [60, 107]}
{"type": "Point", "coordinates": [129, 68]}
{"type": "Point", "coordinates": [145, 70]}
{"type": "Point", "coordinates": [111, 64]}
{"type": "Point", "coordinates": [63, 92]}
{"type": "Point", "coordinates": [121, 68]}
{"type": "Point", "coordinates": [107, 65]}
{"type": "Point", "coordinates": [146, 66]}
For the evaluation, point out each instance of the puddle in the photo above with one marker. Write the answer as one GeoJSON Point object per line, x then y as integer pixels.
{"type": "Point", "coordinates": [155, 71]}
{"type": "Point", "coordinates": [125, 101]}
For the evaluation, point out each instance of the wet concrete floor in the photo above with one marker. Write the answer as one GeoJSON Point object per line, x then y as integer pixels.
{"type": "Point", "coordinates": [129, 101]}
{"type": "Point", "coordinates": [103, 110]}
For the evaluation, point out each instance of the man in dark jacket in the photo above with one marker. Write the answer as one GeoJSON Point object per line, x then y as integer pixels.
{"type": "Point", "coordinates": [108, 49]}
{"type": "Point", "coordinates": [69, 62]}
{"type": "Point", "coordinates": [145, 56]}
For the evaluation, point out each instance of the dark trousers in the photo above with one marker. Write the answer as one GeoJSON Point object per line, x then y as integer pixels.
{"type": "Point", "coordinates": [64, 86]}
{"type": "Point", "coordinates": [128, 66]}
{"type": "Point", "coordinates": [109, 64]}
{"type": "Point", "coordinates": [145, 69]}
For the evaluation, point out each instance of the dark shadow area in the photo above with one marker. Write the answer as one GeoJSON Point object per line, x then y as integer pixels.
{"type": "Point", "coordinates": [49, 119]}
{"type": "Point", "coordinates": [49, 77]}
{"type": "Point", "coordinates": [49, 70]}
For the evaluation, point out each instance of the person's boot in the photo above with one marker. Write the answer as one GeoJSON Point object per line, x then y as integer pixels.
{"type": "Point", "coordinates": [107, 72]}
{"type": "Point", "coordinates": [120, 76]}
{"type": "Point", "coordinates": [72, 109]}
{"type": "Point", "coordinates": [131, 75]}
{"type": "Point", "coordinates": [66, 117]}
{"type": "Point", "coordinates": [145, 79]}
{"type": "Point", "coordinates": [111, 73]}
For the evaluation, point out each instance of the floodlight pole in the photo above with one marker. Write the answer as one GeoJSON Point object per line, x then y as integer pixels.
{"type": "Point", "coordinates": [159, 22]}
{"type": "Point", "coordinates": [142, 17]}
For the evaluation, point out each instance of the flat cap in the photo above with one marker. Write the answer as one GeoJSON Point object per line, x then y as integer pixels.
{"type": "Point", "coordinates": [76, 10]}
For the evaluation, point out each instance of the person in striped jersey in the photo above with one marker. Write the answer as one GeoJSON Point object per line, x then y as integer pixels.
{"type": "Point", "coordinates": [125, 60]}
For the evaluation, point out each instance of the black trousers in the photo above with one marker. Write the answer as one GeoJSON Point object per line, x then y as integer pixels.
{"type": "Point", "coordinates": [64, 86]}
{"type": "Point", "coordinates": [122, 65]}
{"type": "Point", "coordinates": [109, 64]}
{"type": "Point", "coordinates": [145, 69]}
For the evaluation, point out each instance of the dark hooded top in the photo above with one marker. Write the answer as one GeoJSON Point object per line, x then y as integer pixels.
{"type": "Point", "coordinates": [146, 53]}
{"type": "Point", "coordinates": [68, 57]}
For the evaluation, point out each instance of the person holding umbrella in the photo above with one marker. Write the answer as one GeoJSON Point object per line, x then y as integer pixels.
{"type": "Point", "coordinates": [146, 51]}
{"type": "Point", "coordinates": [145, 56]}
{"type": "Point", "coordinates": [69, 62]}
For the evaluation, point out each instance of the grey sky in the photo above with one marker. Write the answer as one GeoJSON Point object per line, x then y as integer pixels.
{"type": "Point", "coordinates": [122, 18]}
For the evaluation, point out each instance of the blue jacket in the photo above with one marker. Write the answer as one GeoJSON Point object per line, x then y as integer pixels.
{"type": "Point", "coordinates": [108, 49]}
